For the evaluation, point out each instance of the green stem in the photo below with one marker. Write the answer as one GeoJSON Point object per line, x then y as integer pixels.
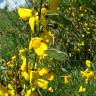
{"type": "Point", "coordinates": [34, 62]}
{"type": "Point", "coordinates": [16, 69]}
{"type": "Point", "coordinates": [39, 31]}
{"type": "Point", "coordinates": [27, 61]}
{"type": "Point", "coordinates": [40, 13]}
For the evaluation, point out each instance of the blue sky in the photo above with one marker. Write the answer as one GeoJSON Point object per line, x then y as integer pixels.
{"type": "Point", "coordinates": [1, 1]}
{"type": "Point", "coordinates": [12, 4]}
{"type": "Point", "coordinates": [2, 4]}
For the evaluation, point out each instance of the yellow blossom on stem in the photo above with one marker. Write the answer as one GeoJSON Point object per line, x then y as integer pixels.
{"type": "Point", "coordinates": [43, 56]}
{"type": "Point", "coordinates": [41, 83]}
{"type": "Point", "coordinates": [41, 49]}
{"type": "Point", "coordinates": [86, 80]}
{"type": "Point", "coordinates": [66, 79]}
{"type": "Point", "coordinates": [88, 63]}
{"type": "Point", "coordinates": [87, 75]}
{"type": "Point", "coordinates": [44, 11]}
{"type": "Point", "coordinates": [13, 58]}
{"type": "Point", "coordinates": [38, 45]}
{"type": "Point", "coordinates": [35, 42]}
{"type": "Point", "coordinates": [43, 71]}
{"type": "Point", "coordinates": [31, 92]}
{"type": "Point", "coordinates": [32, 23]}
{"type": "Point", "coordinates": [37, 19]}
{"type": "Point", "coordinates": [43, 22]}
{"type": "Point", "coordinates": [34, 75]}
{"type": "Point", "coordinates": [50, 89]}
{"type": "Point", "coordinates": [82, 89]}
{"type": "Point", "coordinates": [83, 35]}
{"type": "Point", "coordinates": [49, 76]}
{"type": "Point", "coordinates": [47, 73]}
{"type": "Point", "coordinates": [48, 36]}
{"type": "Point", "coordinates": [28, 92]}
{"type": "Point", "coordinates": [3, 91]}
{"type": "Point", "coordinates": [24, 65]}
{"type": "Point", "coordinates": [10, 64]}
{"type": "Point", "coordinates": [24, 13]}
{"type": "Point", "coordinates": [82, 43]}
{"type": "Point", "coordinates": [26, 75]}
{"type": "Point", "coordinates": [21, 51]}
{"type": "Point", "coordinates": [11, 90]}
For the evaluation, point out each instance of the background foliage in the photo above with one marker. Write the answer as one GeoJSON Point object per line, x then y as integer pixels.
{"type": "Point", "coordinates": [76, 23]}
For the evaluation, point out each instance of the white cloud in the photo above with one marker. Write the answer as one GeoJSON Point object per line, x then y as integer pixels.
{"type": "Point", "coordinates": [13, 4]}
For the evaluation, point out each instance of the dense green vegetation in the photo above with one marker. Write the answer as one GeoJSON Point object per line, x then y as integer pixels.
{"type": "Point", "coordinates": [74, 28]}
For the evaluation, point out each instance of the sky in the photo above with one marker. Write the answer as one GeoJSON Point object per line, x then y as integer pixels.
{"type": "Point", "coordinates": [12, 4]}
{"type": "Point", "coordinates": [2, 4]}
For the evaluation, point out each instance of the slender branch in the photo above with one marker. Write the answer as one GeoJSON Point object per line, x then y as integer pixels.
{"type": "Point", "coordinates": [27, 61]}
{"type": "Point", "coordinates": [34, 62]}
{"type": "Point", "coordinates": [39, 31]}
{"type": "Point", "coordinates": [40, 94]}
{"type": "Point", "coordinates": [16, 69]}
{"type": "Point", "coordinates": [40, 13]}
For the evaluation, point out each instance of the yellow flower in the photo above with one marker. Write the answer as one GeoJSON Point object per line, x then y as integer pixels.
{"type": "Point", "coordinates": [31, 92]}
{"type": "Point", "coordinates": [82, 15]}
{"type": "Point", "coordinates": [90, 74]}
{"type": "Point", "coordinates": [33, 76]}
{"type": "Point", "coordinates": [3, 91]}
{"type": "Point", "coordinates": [37, 19]}
{"type": "Point", "coordinates": [38, 46]}
{"type": "Point", "coordinates": [10, 86]}
{"type": "Point", "coordinates": [10, 64]}
{"type": "Point", "coordinates": [70, 54]}
{"type": "Point", "coordinates": [13, 58]}
{"type": "Point", "coordinates": [48, 36]}
{"type": "Point", "coordinates": [43, 22]}
{"type": "Point", "coordinates": [87, 75]}
{"type": "Point", "coordinates": [44, 11]}
{"type": "Point", "coordinates": [43, 56]}
{"type": "Point", "coordinates": [32, 23]}
{"type": "Point", "coordinates": [66, 79]}
{"type": "Point", "coordinates": [26, 75]}
{"type": "Point", "coordinates": [11, 90]}
{"type": "Point", "coordinates": [82, 43]}
{"type": "Point", "coordinates": [83, 35]}
{"type": "Point", "coordinates": [24, 65]}
{"type": "Point", "coordinates": [35, 43]}
{"type": "Point", "coordinates": [41, 49]}
{"type": "Point", "coordinates": [21, 51]}
{"type": "Point", "coordinates": [28, 92]}
{"type": "Point", "coordinates": [86, 80]}
{"type": "Point", "coordinates": [50, 89]}
{"type": "Point", "coordinates": [42, 83]}
{"type": "Point", "coordinates": [88, 63]}
{"type": "Point", "coordinates": [81, 89]}
{"type": "Point", "coordinates": [24, 13]}
{"type": "Point", "coordinates": [43, 71]}
{"type": "Point", "coordinates": [83, 73]}
{"type": "Point", "coordinates": [49, 76]}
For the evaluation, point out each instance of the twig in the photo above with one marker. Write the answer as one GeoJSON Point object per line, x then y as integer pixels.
{"type": "Point", "coordinates": [40, 94]}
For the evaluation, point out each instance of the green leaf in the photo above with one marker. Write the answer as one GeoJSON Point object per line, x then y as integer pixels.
{"type": "Point", "coordinates": [60, 19]}
{"type": "Point", "coordinates": [56, 54]}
